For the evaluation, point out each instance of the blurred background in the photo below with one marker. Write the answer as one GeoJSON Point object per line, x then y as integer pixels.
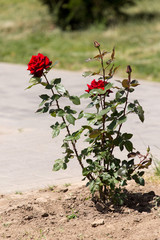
{"type": "Point", "coordinates": [65, 30]}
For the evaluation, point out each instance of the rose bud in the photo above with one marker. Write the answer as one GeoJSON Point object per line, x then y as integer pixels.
{"type": "Point", "coordinates": [96, 44]}
{"type": "Point", "coordinates": [129, 69]}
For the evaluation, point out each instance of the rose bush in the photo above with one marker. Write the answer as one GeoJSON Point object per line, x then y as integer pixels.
{"type": "Point", "coordinates": [38, 64]}
{"type": "Point", "coordinates": [103, 132]}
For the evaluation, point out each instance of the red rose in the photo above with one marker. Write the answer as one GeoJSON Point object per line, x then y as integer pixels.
{"type": "Point", "coordinates": [38, 64]}
{"type": "Point", "coordinates": [97, 85]}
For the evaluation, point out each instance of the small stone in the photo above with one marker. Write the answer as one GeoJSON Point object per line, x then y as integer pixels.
{"type": "Point", "coordinates": [28, 217]}
{"type": "Point", "coordinates": [45, 214]}
{"type": "Point", "coordinates": [63, 190]}
{"type": "Point", "coordinates": [41, 200]}
{"type": "Point", "coordinates": [97, 223]}
{"type": "Point", "coordinates": [100, 206]}
{"type": "Point", "coordinates": [70, 197]}
{"type": "Point", "coordinates": [8, 236]}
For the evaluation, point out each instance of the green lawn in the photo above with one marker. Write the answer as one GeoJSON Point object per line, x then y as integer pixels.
{"type": "Point", "coordinates": [26, 29]}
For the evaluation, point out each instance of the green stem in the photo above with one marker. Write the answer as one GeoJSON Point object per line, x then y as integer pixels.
{"type": "Point", "coordinates": [125, 107]}
{"type": "Point", "coordinates": [103, 102]}
{"type": "Point", "coordinates": [69, 133]}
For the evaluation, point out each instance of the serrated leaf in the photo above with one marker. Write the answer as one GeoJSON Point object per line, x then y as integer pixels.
{"type": "Point", "coordinates": [61, 112]}
{"type": "Point", "coordinates": [35, 80]}
{"type": "Point", "coordinates": [80, 115]}
{"type": "Point", "coordinates": [56, 81]}
{"type": "Point", "coordinates": [85, 171]}
{"type": "Point", "coordinates": [95, 133]}
{"type": "Point", "coordinates": [55, 132]}
{"type": "Point", "coordinates": [56, 167]}
{"type": "Point", "coordinates": [60, 88]}
{"type": "Point", "coordinates": [134, 83]}
{"type": "Point", "coordinates": [70, 119]}
{"type": "Point", "coordinates": [128, 146]}
{"type": "Point", "coordinates": [69, 110]}
{"type": "Point", "coordinates": [55, 97]}
{"type": "Point", "coordinates": [140, 113]}
{"type": "Point", "coordinates": [104, 111]}
{"type": "Point", "coordinates": [119, 94]}
{"type": "Point", "coordinates": [52, 113]}
{"type": "Point", "coordinates": [44, 97]}
{"type": "Point", "coordinates": [75, 100]}
{"type": "Point", "coordinates": [85, 95]}
{"type": "Point", "coordinates": [127, 136]}
{"type": "Point", "coordinates": [112, 125]}
{"type": "Point", "coordinates": [131, 106]}
{"type": "Point", "coordinates": [58, 164]}
{"type": "Point", "coordinates": [30, 86]}
{"type": "Point", "coordinates": [122, 119]}
{"type": "Point", "coordinates": [87, 73]}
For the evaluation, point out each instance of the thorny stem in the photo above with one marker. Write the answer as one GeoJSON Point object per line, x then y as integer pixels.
{"type": "Point", "coordinates": [68, 131]}
{"type": "Point", "coordinates": [104, 116]}
{"type": "Point", "coordinates": [125, 106]}
{"type": "Point", "coordinates": [104, 104]}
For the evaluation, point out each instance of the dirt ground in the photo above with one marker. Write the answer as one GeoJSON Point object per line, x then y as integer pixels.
{"type": "Point", "coordinates": [68, 212]}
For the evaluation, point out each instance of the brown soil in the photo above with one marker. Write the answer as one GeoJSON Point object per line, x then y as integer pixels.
{"type": "Point", "coordinates": [69, 213]}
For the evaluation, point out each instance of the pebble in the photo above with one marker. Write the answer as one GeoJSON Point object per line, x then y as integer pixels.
{"type": "Point", "coordinates": [100, 207]}
{"type": "Point", "coordinates": [45, 215]}
{"type": "Point", "coordinates": [97, 223]}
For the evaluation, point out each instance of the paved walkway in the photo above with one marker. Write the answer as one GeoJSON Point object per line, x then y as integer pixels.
{"type": "Point", "coordinates": [27, 151]}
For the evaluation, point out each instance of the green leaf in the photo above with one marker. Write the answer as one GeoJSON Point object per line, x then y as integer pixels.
{"type": "Point", "coordinates": [134, 83]}
{"type": "Point", "coordinates": [70, 119]}
{"type": "Point", "coordinates": [127, 136]}
{"type": "Point", "coordinates": [87, 73]}
{"type": "Point", "coordinates": [56, 81]}
{"type": "Point", "coordinates": [140, 113]}
{"type": "Point", "coordinates": [56, 129]}
{"type": "Point", "coordinates": [35, 80]}
{"type": "Point", "coordinates": [138, 180]}
{"type": "Point", "coordinates": [60, 112]}
{"type": "Point", "coordinates": [141, 181]}
{"type": "Point", "coordinates": [104, 111]}
{"type": "Point", "coordinates": [60, 88]}
{"type": "Point", "coordinates": [44, 97]}
{"type": "Point", "coordinates": [43, 110]}
{"type": "Point", "coordinates": [55, 132]}
{"type": "Point", "coordinates": [62, 125]}
{"type": "Point", "coordinates": [64, 166]}
{"type": "Point", "coordinates": [108, 86]}
{"type": "Point", "coordinates": [89, 161]}
{"type": "Point", "coordinates": [119, 93]}
{"type": "Point", "coordinates": [58, 164]}
{"type": "Point", "coordinates": [85, 95]}
{"type": "Point", "coordinates": [95, 133]}
{"type": "Point", "coordinates": [52, 112]}
{"type": "Point", "coordinates": [69, 110]}
{"type": "Point", "coordinates": [112, 125]}
{"type": "Point", "coordinates": [55, 97]}
{"type": "Point", "coordinates": [131, 106]}
{"type": "Point", "coordinates": [128, 146]}
{"type": "Point", "coordinates": [75, 100]}
{"type": "Point", "coordinates": [85, 171]}
{"type": "Point", "coordinates": [122, 119]}
{"type": "Point", "coordinates": [80, 115]}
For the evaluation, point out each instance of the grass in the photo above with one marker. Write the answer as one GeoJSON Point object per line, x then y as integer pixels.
{"type": "Point", "coordinates": [30, 31]}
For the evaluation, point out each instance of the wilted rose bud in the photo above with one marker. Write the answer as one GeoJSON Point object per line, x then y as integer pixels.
{"type": "Point", "coordinates": [96, 44]}
{"type": "Point", "coordinates": [129, 69]}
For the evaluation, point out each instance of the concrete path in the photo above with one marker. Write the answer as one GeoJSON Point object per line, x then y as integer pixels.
{"type": "Point", "coordinates": [27, 151]}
